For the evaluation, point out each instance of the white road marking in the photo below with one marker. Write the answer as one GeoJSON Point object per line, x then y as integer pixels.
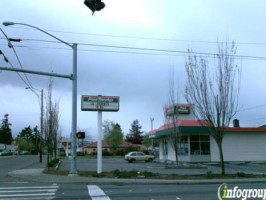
{"type": "Point", "coordinates": [29, 193]}
{"type": "Point", "coordinates": [31, 198]}
{"type": "Point", "coordinates": [21, 191]}
{"type": "Point", "coordinates": [33, 187]}
{"type": "Point", "coordinates": [97, 193]}
{"type": "Point", "coordinates": [18, 182]}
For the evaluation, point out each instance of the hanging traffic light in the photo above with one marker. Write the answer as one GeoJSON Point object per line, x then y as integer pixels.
{"type": "Point", "coordinates": [94, 5]}
{"type": "Point", "coordinates": [80, 135]}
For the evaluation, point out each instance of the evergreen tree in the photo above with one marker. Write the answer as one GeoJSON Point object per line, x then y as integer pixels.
{"type": "Point", "coordinates": [5, 132]}
{"type": "Point", "coordinates": [113, 133]}
{"type": "Point", "coordinates": [26, 133]}
{"type": "Point", "coordinates": [135, 134]}
{"type": "Point", "coordinates": [29, 139]}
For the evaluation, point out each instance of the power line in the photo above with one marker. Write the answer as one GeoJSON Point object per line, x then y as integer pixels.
{"type": "Point", "coordinates": [20, 64]}
{"type": "Point", "coordinates": [246, 57]}
{"type": "Point", "coordinates": [140, 37]}
{"type": "Point", "coordinates": [251, 108]}
{"type": "Point", "coordinates": [254, 119]}
{"type": "Point", "coordinates": [128, 52]}
{"type": "Point", "coordinates": [7, 61]}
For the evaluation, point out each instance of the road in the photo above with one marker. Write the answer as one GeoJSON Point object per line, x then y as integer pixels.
{"type": "Point", "coordinates": [11, 163]}
{"type": "Point", "coordinates": [14, 188]}
{"type": "Point", "coordinates": [110, 164]}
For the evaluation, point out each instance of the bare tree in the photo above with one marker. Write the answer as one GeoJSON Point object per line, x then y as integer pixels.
{"type": "Point", "coordinates": [171, 117]}
{"type": "Point", "coordinates": [51, 124]}
{"type": "Point", "coordinates": [214, 92]}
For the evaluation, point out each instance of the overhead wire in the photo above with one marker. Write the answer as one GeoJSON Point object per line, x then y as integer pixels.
{"type": "Point", "coordinates": [139, 37]}
{"type": "Point", "coordinates": [27, 82]}
{"type": "Point", "coordinates": [166, 51]}
{"type": "Point", "coordinates": [8, 61]}
{"type": "Point", "coordinates": [251, 108]}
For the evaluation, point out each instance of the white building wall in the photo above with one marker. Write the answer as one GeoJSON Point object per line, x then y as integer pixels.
{"type": "Point", "coordinates": [161, 149]}
{"type": "Point", "coordinates": [241, 147]}
{"type": "Point", "coordinates": [171, 150]}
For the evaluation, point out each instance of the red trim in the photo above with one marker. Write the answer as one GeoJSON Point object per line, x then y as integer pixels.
{"type": "Point", "coordinates": [199, 123]}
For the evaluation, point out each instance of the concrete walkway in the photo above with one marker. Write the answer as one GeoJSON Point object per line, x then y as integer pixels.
{"type": "Point", "coordinates": [37, 175]}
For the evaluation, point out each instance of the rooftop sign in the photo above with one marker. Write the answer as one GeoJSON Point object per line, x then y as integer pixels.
{"type": "Point", "coordinates": [178, 109]}
{"type": "Point", "coordinates": [100, 103]}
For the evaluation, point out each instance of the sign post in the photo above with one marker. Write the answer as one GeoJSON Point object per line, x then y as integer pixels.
{"type": "Point", "coordinates": [99, 143]}
{"type": "Point", "coordinates": [99, 103]}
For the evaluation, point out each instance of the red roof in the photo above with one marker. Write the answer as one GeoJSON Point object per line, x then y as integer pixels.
{"type": "Point", "coordinates": [181, 123]}
{"type": "Point", "coordinates": [105, 144]}
{"type": "Point", "coordinates": [200, 123]}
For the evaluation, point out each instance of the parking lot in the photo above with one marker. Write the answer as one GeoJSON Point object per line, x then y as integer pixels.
{"type": "Point", "coordinates": [110, 164]}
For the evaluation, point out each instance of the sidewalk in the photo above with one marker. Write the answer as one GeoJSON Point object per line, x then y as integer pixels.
{"type": "Point", "coordinates": [36, 175]}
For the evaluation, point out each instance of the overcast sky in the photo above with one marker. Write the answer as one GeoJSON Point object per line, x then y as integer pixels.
{"type": "Point", "coordinates": [139, 77]}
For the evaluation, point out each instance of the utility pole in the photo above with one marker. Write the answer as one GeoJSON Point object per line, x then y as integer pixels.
{"type": "Point", "coordinates": [152, 119]}
{"type": "Point", "coordinates": [41, 126]}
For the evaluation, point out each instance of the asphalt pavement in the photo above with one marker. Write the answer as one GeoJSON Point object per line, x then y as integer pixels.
{"type": "Point", "coordinates": [26, 180]}
{"type": "Point", "coordinates": [36, 174]}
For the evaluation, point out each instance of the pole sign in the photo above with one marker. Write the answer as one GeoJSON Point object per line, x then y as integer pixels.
{"type": "Point", "coordinates": [170, 111]}
{"type": "Point", "coordinates": [184, 109]}
{"type": "Point", "coordinates": [100, 103]}
{"type": "Point", "coordinates": [177, 109]}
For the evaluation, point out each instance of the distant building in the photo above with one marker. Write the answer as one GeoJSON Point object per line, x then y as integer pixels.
{"type": "Point", "coordinates": [92, 148]}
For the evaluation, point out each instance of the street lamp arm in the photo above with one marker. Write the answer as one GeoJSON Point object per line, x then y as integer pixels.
{"type": "Point", "coordinates": [13, 23]}
{"type": "Point", "coordinates": [73, 77]}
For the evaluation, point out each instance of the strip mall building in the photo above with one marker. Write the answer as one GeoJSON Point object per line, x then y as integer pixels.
{"type": "Point", "coordinates": [196, 144]}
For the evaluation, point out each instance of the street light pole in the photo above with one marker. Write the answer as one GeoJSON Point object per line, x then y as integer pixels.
{"type": "Point", "coordinates": [41, 126]}
{"type": "Point", "coordinates": [73, 168]}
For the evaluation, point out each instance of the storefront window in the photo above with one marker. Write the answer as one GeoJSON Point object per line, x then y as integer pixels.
{"type": "Point", "coordinates": [200, 145]}
{"type": "Point", "coordinates": [183, 145]}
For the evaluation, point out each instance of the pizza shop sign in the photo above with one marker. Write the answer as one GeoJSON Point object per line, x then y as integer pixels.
{"type": "Point", "coordinates": [177, 109]}
{"type": "Point", "coordinates": [183, 109]}
{"type": "Point", "coordinates": [100, 103]}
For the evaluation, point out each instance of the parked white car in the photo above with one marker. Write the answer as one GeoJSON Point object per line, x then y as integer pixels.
{"type": "Point", "coordinates": [138, 156]}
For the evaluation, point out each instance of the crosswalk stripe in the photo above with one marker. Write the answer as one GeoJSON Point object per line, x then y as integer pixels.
{"type": "Point", "coordinates": [29, 193]}
{"type": "Point", "coordinates": [33, 187]}
{"type": "Point", "coordinates": [97, 193]}
{"type": "Point", "coordinates": [30, 198]}
{"type": "Point", "coordinates": [23, 191]}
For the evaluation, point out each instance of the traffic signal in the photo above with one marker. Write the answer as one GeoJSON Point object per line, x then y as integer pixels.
{"type": "Point", "coordinates": [94, 5]}
{"type": "Point", "coordinates": [80, 135]}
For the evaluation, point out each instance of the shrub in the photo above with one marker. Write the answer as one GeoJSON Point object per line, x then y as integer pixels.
{"type": "Point", "coordinates": [106, 153]}
{"type": "Point", "coordinates": [129, 149]}
{"type": "Point", "coordinates": [125, 174]}
{"type": "Point", "coordinates": [241, 174]}
{"type": "Point", "coordinates": [80, 154]}
{"type": "Point", "coordinates": [148, 174]}
{"type": "Point", "coordinates": [62, 154]}
{"type": "Point", "coordinates": [209, 174]}
{"type": "Point", "coordinates": [120, 152]}
{"type": "Point", "coordinates": [53, 163]}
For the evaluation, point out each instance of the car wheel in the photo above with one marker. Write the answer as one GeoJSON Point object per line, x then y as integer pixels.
{"type": "Point", "coordinates": [133, 160]}
{"type": "Point", "coordinates": [150, 159]}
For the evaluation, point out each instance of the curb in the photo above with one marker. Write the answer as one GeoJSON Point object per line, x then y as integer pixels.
{"type": "Point", "coordinates": [58, 164]}
{"type": "Point", "coordinates": [37, 175]}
